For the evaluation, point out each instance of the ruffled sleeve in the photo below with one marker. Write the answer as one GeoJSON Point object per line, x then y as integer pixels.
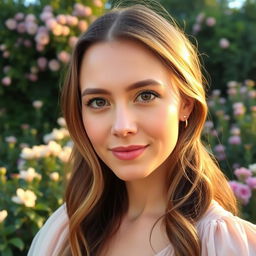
{"type": "Point", "coordinates": [223, 234]}
{"type": "Point", "coordinates": [52, 235]}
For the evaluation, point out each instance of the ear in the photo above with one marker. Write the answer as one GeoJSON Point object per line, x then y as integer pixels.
{"type": "Point", "coordinates": [186, 107]}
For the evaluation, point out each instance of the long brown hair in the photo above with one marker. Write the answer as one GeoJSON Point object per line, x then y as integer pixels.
{"type": "Point", "coordinates": [95, 198]}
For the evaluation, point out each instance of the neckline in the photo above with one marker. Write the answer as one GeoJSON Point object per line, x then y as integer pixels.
{"type": "Point", "coordinates": [164, 250]}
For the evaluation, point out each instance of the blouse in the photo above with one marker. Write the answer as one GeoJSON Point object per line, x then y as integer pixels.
{"type": "Point", "coordinates": [221, 234]}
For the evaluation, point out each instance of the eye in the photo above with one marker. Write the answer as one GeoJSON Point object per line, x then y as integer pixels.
{"type": "Point", "coordinates": [147, 96]}
{"type": "Point", "coordinates": [96, 103]}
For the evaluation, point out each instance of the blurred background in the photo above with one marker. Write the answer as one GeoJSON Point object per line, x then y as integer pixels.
{"type": "Point", "coordinates": [36, 40]}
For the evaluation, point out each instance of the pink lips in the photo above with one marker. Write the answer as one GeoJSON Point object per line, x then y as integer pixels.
{"type": "Point", "coordinates": [128, 153]}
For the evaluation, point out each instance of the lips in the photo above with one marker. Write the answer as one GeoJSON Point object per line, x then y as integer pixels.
{"type": "Point", "coordinates": [128, 153]}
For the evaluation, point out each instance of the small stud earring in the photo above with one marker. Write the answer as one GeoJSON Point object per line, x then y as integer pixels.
{"type": "Point", "coordinates": [186, 121]}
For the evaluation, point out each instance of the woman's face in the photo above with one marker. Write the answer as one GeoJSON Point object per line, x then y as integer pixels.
{"type": "Point", "coordinates": [128, 99]}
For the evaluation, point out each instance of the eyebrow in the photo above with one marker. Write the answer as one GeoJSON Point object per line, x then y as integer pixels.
{"type": "Point", "coordinates": [131, 87]}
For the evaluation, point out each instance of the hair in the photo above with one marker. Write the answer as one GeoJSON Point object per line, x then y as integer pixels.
{"type": "Point", "coordinates": [194, 178]}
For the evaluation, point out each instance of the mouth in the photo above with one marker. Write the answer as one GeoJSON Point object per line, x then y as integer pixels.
{"type": "Point", "coordinates": [128, 153]}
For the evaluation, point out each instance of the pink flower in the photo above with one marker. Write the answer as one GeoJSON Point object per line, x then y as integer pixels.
{"type": "Point", "coordinates": [210, 22]}
{"type": "Point", "coordinates": [61, 19]}
{"type": "Point", "coordinates": [82, 25]}
{"type": "Point", "coordinates": [243, 173]}
{"type": "Point", "coordinates": [219, 148]}
{"type": "Point", "coordinates": [6, 81]}
{"type": "Point", "coordinates": [72, 20]}
{"type": "Point", "coordinates": [221, 156]}
{"type": "Point", "coordinates": [72, 41]}
{"type": "Point", "coordinates": [252, 94]}
{"type": "Point", "coordinates": [87, 11]}
{"type": "Point", "coordinates": [239, 108]}
{"type": "Point", "coordinates": [31, 28]}
{"type": "Point", "coordinates": [6, 54]}
{"type": "Point", "coordinates": [42, 63]}
{"type": "Point", "coordinates": [232, 91]}
{"type": "Point", "coordinates": [234, 140]}
{"type": "Point", "coordinates": [11, 24]}
{"type": "Point", "coordinates": [42, 38]}
{"type": "Point", "coordinates": [47, 8]}
{"type": "Point", "coordinates": [19, 16]}
{"type": "Point", "coordinates": [30, 18]}
{"type": "Point", "coordinates": [234, 185]}
{"type": "Point", "coordinates": [54, 65]}
{"type": "Point", "coordinates": [51, 23]}
{"type": "Point", "coordinates": [39, 47]}
{"type": "Point", "coordinates": [251, 182]}
{"type": "Point", "coordinates": [243, 193]}
{"type": "Point", "coordinates": [64, 56]}
{"type": "Point", "coordinates": [224, 43]}
{"type": "Point", "coordinates": [21, 28]}
{"type": "Point", "coordinates": [46, 16]}
{"type": "Point", "coordinates": [196, 28]}
{"type": "Point", "coordinates": [32, 77]}
{"type": "Point", "coordinates": [27, 43]}
{"type": "Point", "coordinates": [98, 3]}
{"type": "Point", "coordinates": [200, 17]}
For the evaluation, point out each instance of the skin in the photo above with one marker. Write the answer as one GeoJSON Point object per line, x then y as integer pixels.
{"type": "Point", "coordinates": [136, 117]}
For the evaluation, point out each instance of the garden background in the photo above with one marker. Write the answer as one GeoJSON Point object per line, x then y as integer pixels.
{"type": "Point", "coordinates": [36, 39]}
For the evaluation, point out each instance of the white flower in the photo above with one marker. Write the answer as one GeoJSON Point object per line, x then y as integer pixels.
{"type": "Point", "coordinates": [252, 167]}
{"type": "Point", "coordinates": [65, 154]}
{"type": "Point", "coordinates": [224, 43]}
{"type": "Point", "coordinates": [41, 151]}
{"type": "Point", "coordinates": [3, 215]}
{"type": "Point", "coordinates": [29, 174]}
{"type": "Point", "coordinates": [54, 176]}
{"type": "Point", "coordinates": [37, 104]}
{"type": "Point", "coordinates": [26, 197]}
{"type": "Point", "coordinates": [54, 148]}
{"type": "Point", "coordinates": [27, 153]}
{"type": "Point", "coordinates": [61, 121]}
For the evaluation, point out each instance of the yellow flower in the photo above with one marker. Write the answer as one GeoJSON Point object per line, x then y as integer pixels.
{"type": "Point", "coordinates": [54, 176]}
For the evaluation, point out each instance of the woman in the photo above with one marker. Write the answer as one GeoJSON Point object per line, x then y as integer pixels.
{"type": "Point", "coordinates": [142, 182]}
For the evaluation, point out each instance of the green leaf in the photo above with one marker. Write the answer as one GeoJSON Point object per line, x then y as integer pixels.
{"type": "Point", "coordinates": [7, 252]}
{"type": "Point", "coordinates": [17, 242]}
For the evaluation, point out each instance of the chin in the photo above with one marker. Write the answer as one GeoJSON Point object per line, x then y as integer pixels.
{"type": "Point", "coordinates": [131, 175]}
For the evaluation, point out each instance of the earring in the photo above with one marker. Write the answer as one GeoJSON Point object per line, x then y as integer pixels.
{"type": "Point", "coordinates": [186, 121]}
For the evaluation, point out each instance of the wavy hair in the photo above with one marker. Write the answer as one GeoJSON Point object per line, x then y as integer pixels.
{"type": "Point", "coordinates": [194, 178]}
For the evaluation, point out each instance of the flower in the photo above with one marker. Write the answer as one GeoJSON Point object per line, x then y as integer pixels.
{"type": "Point", "coordinates": [3, 170]}
{"type": "Point", "coordinates": [243, 193]}
{"type": "Point", "coordinates": [19, 16]}
{"type": "Point", "coordinates": [224, 43]}
{"type": "Point", "coordinates": [6, 81]}
{"type": "Point", "coordinates": [64, 56]}
{"type": "Point", "coordinates": [243, 173]}
{"type": "Point", "coordinates": [54, 65]}
{"type": "Point", "coordinates": [252, 167]}
{"type": "Point", "coordinates": [65, 154]}
{"type": "Point", "coordinates": [37, 104]}
{"type": "Point", "coordinates": [54, 148]}
{"type": "Point", "coordinates": [3, 215]}
{"type": "Point", "coordinates": [249, 82]}
{"type": "Point", "coordinates": [54, 176]}
{"type": "Point", "coordinates": [235, 131]}
{"type": "Point", "coordinates": [251, 182]}
{"type": "Point", "coordinates": [219, 148]}
{"type": "Point", "coordinates": [61, 19]}
{"type": "Point", "coordinates": [82, 25]}
{"type": "Point", "coordinates": [72, 41]}
{"type": "Point", "coordinates": [26, 197]}
{"type": "Point", "coordinates": [27, 153]}
{"type": "Point", "coordinates": [11, 139]}
{"type": "Point", "coordinates": [61, 121]}
{"type": "Point", "coordinates": [200, 17]}
{"type": "Point", "coordinates": [234, 140]}
{"type": "Point", "coordinates": [232, 84]}
{"type": "Point", "coordinates": [31, 28]}
{"type": "Point", "coordinates": [196, 28]}
{"type": "Point", "coordinates": [42, 38]}
{"type": "Point", "coordinates": [42, 63]}
{"type": "Point", "coordinates": [239, 108]}
{"type": "Point", "coordinates": [11, 24]}
{"type": "Point", "coordinates": [210, 21]}
{"type": "Point", "coordinates": [29, 174]}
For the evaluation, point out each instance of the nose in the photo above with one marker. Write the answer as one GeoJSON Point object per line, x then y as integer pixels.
{"type": "Point", "coordinates": [124, 123]}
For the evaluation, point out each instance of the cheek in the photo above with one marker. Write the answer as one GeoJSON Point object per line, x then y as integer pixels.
{"type": "Point", "coordinates": [95, 130]}
{"type": "Point", "coordinates": [164, 122]}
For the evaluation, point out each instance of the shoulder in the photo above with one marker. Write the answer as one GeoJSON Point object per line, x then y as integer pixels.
{"type": "Point", "coordinates": [222, 233]}
{"type": "Point", "coordinates": [52, 235]}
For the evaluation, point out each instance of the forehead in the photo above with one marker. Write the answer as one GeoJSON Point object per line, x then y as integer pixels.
{"type": "Point", "coordinates": [120, 63]}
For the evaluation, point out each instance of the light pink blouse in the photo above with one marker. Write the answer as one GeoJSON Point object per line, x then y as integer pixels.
{"type": "Point", "coordinates": [221, 233]}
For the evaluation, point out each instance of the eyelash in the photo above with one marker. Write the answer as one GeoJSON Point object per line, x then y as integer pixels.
{"type": "Point", "coordinates": [156, 95]}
